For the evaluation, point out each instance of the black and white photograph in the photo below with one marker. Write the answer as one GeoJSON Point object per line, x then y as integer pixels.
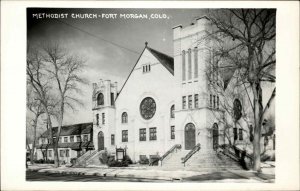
{"type": "Point", "coordinates": [149, 94]}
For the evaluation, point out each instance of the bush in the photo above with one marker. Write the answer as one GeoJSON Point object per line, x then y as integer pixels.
{"type": "Point", "coordinates": [111, 162]}
{"type": "Point", "coordinates": [127, 159]}
{"type": "Point", "coordinates": [144, 161]}
{"type": "Point", "coordinates": [115, 163]}
{"type": "Point", "coordinates": [104, 157]}
{"type": "Point", "coordinates": [73, 161]}
{"type": "Point", "coordinates": [42, 161]}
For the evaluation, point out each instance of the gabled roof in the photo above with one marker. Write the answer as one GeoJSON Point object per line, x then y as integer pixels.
{"type": "Point", "coordinates": [165, 60]}
{"type": "Point", "coordinates": [74, 146]}
{"type": "Point", "coordinates": [76, 129]}
{"type": "Point", "coordinates": [227, 74]}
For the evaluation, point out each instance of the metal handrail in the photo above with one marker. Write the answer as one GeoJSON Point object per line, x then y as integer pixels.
{"type": "Point", "coordinates": [195, 149]}
{"type": "Point", "coordinates": [91, 155]}
{"type": "Point", "coordinates": [223, 147]}
{"type": "Point", "coordinates": [83, 158]}
{"type": "Point", "coordinates": [176, 146]}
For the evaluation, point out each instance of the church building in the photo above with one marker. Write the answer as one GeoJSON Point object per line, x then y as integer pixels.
{"type": "Point", "coordinates": [163, 102]}
{"type": "Point", "coordinates": [174, 109]}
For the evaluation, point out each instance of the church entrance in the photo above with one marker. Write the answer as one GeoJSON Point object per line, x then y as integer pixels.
{"type": "Point", "coordinates": [100, 141]}
{"type": "Point", "coordinates": [189, 136]}
{"type": "Point", "coordinates": [215, 136]}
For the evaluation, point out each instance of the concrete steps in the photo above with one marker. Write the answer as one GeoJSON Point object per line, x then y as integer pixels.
{"type": "Point", "coordinates": [201, 161]}
{"type": "Point", "coordinates": [213, 160]}
{"type": "Point", "coordinates": [86, 159]}
{"type": "Point", "coordinates": [174, 159]}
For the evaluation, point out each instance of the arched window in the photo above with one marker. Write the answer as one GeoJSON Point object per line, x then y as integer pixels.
{"type": "Point", "coordinates": [100, 99]}
{"type": "Point", "coordinates": [172, 114]}
{"type": "Point", "coordinates": [237, 109]}
{"type": "Point", "coordinates": [124, 117]}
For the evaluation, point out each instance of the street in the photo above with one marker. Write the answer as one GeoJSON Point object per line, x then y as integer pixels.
{"type": "Point", "coordinates": [40, 176]}
{"type": "Point", "coordinates": [225, 176]}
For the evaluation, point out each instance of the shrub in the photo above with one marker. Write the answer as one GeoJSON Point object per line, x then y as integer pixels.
{"type": "Point", "coordinates": [73, 161]}
{"type": "Point", "coordinates": [127, 159]}
{"type": "Point", "coordinates": [49, 161]}
{"type": "Point", "coordinates": [104, 157]}
{"type": "Point", "coordinates": [42, 161]}
{"type": "Point", "coordinates": [115, 163]}
{"type": "Point", "coordinates": [111, 162]}
{"type": "Point", "coordinates": [144, 161]}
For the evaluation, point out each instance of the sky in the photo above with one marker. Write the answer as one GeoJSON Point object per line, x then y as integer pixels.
{"type": "Point", "coordinates": [111, 45]}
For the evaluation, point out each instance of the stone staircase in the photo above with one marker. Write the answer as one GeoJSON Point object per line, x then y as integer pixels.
{"type": "Point", "coordinates": [202, 160]}
{"type": "Point", "coordinates": [83, 159]}
{"type": "Point", "coordinates": [173, 160]}
{"type": "Point", "coordinates": [211, 161]}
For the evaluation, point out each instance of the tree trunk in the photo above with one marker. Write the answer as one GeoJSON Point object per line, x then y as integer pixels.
{"type": "Point", "coordinates": [34, 138]}
{"type": "Point", "coordinates": [60, 121]}
{"type": "Point", "coordinates": [258, 110]}
{"type": "Point", "coordinates": [56, 160]}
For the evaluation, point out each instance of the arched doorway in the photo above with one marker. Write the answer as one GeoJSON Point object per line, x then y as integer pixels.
{"type": "Point", "coordinates": [189, 136]}
{"type": "Point", "coordinates": [215, 136]}
{"type": "Point", "coordinates": [100, 141]}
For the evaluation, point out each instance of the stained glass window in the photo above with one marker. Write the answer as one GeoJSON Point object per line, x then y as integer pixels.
{"type": "Point", "coordinates": [240, 134]}
{"type": "Point", "coordinates": [124, 117]}
{"type": "Point", "coordinates": [152, 133]}
{"type": "Point", "coordinates": [147, 108]}
{"type": "Point", "coordinates": [196, 98]}
{"type": "Point", "coordinates": [125, 136]}
{"type": "Point", "coordinates": [183, 102]}
{"type": "Point", "coordinates": [97, 119]}
{"type": "Point", "coordinates": [190, 99]}
{"type": "Point", "coordinates": [237, 109]}
{"type": "Point", "coordinates": [172, 132]}
{"type": "Point", "coordinates": [103, 118]}
{"type": "Point", "coordinates": [172, 114]}
{"type": "Point", "coordinates": [143, 134]}
{"type": "Point", "coordinates": [235, 135]}
{"type": "Point", "coordinates": [112, 140]}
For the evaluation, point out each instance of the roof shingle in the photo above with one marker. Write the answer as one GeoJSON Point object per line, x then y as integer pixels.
{"type": "Point", "coordinates": [165, 60]}
{"type": "Point", "coordinates": [77, 129]}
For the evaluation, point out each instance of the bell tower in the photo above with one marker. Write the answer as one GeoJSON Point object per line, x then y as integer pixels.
{"type": "Point", "coordinates": [190, 60]}
{"type": "Point", "coordinates": [103, 107]}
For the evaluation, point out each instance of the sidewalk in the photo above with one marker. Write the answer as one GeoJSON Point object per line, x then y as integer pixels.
{"type": "Point", "coordinates": [156, 173]}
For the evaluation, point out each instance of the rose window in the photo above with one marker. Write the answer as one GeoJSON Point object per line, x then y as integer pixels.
{"type": "Point", "coordinates": [147, 108]}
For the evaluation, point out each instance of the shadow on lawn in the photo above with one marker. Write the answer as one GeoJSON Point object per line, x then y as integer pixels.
{"type": "Point", "coordinates": [214, 176]}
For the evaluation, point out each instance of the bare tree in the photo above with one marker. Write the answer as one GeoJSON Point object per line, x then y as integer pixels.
{"type": "Point", "coordinates": [65, 69]}
{"type": "Point", "coordinates": [35, 107]}
{"type": "Point", "coordinates": [38, 79]}
{"type": "Point", "coordinates": [244, 41]}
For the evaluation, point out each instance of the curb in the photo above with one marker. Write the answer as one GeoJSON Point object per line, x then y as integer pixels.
{"type": "Point", "coordinates": [106, 174]}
